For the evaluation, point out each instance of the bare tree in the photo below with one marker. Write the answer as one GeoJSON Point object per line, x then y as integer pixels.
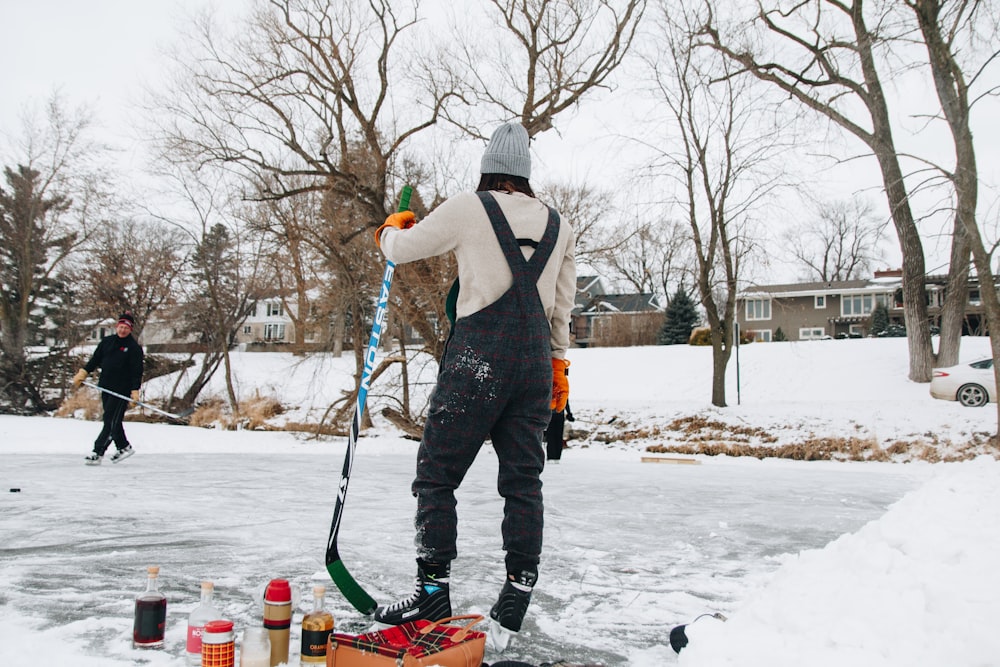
{"type": "Point", "coordinates": [223, 273]}
{"type": "Point", "coordinates": [309, 86]}
{"type": "Point", "coordinates": [132, 265]}
{"type": "Point", "coordinates": [722, 165]}
{"type": "Point", "coordinates": [840, 242]}
{"type": "Point", "coordinates": [589, 211]}
{"type": "Point", "coordinates": [651, 256]}
{"type": "Point", "coordinates": [290, 258]}
{"type": "Point", "coordinates": [948, 28]}
{"type": "Point", "coordinates": [823, 54]}
{"type": "Point", "coordinates": [550, 56]}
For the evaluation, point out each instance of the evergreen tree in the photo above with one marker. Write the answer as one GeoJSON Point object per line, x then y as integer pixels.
{"type": "Point", "coordinates": [779, 335]}
{"type": "Point", "coordinates": [681, 318]}
{"type": "Point", "coordinates": [33, 246]}
{"type": "Point", "coordinates": [879, 319]}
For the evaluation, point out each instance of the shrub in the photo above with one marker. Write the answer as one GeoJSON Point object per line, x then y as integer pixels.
{"type": "Point", "coordinates": [701, 336]}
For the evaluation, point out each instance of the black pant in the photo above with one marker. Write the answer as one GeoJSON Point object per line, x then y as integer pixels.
{"type": "Point", "coordinates": [114, 412]}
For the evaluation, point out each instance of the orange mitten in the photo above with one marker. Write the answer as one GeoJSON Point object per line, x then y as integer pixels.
{"type": "Point", "coordinates": [401, 220]}
{"type": "Point", "coordinates": [560, 384]}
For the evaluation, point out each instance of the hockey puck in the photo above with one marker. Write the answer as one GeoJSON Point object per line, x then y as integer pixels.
{"type": "Point", "coordinates": [15, 490]}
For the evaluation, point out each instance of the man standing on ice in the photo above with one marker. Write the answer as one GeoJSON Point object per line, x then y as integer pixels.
{"type": "Point", "coordinates": [119, 356]}
{"type": "Point", "coordinates": [502, 372]}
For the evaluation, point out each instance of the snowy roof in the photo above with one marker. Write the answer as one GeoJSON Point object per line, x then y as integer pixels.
{"type": "Point", "coordinates": [623, 303]}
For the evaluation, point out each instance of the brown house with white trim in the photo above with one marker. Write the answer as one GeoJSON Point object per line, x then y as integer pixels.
{"type": "Point", "coordinates": [837, 309]}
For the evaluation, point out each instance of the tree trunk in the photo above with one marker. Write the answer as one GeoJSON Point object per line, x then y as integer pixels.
{"type": "Point", "coordinates": [952, 91]}
{"type": "Point", "coordinates": [956, 297]}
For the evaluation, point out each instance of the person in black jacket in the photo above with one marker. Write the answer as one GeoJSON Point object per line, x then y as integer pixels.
{"type": "Point", "coordinates": [119, 356]}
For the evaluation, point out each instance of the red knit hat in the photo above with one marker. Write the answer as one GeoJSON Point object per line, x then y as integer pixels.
{"type": "Point", "coordinates": [126, 318]}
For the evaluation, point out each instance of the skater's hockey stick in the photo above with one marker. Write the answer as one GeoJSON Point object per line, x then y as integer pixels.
{"type": "Point", "coordinates": [350, 588]}
{"type": "Point", "coordinates": [178, 417]}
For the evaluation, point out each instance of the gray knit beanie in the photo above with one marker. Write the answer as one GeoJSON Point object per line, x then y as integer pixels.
{"type": "Point", "coordinates": [507, 152]}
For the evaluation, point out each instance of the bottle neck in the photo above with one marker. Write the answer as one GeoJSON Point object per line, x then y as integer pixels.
{"type": "Point", "coordinates": [206, 596]}
{"type": "Point", "coordinates": [152, 585]}
{"type": "Point", "coordinates": [318, 603]}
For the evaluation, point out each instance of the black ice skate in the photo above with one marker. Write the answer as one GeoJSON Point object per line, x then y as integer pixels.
{"type": "Point", "coordinates": [507, 614]}
{"type": "Point", "coordinates": [430, 600]}
{"type": "Point", "coordinates": [122, 454]}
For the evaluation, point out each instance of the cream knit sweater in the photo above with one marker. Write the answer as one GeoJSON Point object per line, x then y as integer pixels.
{"type": "Point", "coordinates": [461, 225]}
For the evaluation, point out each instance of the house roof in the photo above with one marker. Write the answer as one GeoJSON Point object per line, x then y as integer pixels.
{"type": "Point", "coordinates": [590, 285]}
{"type": "Point", "coordinates": [623, 303]}
{"type": "Point", "coordinates": [886, 284]}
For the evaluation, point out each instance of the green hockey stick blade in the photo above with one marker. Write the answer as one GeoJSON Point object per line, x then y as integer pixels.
{"type": "Point", "coordinates": [351, 590]}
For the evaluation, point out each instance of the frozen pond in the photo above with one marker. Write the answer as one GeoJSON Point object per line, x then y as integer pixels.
{"type": "Point", "coordinates": [631, 548]}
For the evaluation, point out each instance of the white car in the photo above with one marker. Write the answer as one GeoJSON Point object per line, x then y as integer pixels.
{"type": "Point", "coordinates": [970, 384]}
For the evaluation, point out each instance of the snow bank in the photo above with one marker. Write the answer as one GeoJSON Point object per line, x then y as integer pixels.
{"type": "Point", "coordinates": [919, 586]}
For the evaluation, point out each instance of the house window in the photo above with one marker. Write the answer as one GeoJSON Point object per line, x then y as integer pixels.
{"type": "Point", "coordinates": [758, 309]}
{"type": "Point", "coordinates": [860, 304]}
{"type": "Point", "coordinates": [856, 329]}
{"type": "Point", "coordinates": [820, 301]}
{"type": "Point", "coordinates": [247, 329]}
{"type": "Point", "coordinates": [762, 335]}
{"type": "Point", "coordinates": [811, 333]}
{"type": "Point", "coordinates": [274, 332]}
{"type": "Point", "coordinates": [274, 309]}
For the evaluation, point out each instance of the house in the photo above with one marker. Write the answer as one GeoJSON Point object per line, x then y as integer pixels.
{"type": "Point", "coordinates": [815, 310]}
{"type": "Point", "coordinates": [603, 319]}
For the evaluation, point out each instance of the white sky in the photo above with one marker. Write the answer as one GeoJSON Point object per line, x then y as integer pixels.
{"type": "Point", "coordinates": [101, 53]}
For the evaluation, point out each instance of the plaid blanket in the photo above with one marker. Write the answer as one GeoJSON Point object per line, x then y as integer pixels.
{"type": "Point", "coordinates": [412, 639]}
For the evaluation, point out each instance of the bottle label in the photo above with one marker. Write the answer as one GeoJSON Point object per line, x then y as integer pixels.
{"type": "Point", "coordinates": [194, 638]}
{"type": "Point", "coordinates": [314, 643]}
{"type": "Point", "coordinates": [277, 616]}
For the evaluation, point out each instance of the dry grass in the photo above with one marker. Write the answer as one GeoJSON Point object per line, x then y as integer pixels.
{"type": "Point", "coordinates": [82, 403]}
{"type": "Point", "coordinates": [254, 414]}
{"type": "Point", "coordinates": [698, 435]}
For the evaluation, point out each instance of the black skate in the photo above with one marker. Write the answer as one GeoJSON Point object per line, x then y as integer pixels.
{"type": "Point", "coordinates": [430, 600]}
{"type": "Point", "coordinates": [122, 454]}
{"type": "Point", "coordinates": [508, 613]}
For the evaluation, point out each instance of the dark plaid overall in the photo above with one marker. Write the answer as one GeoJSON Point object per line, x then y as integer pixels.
{"type": "Point", "coordinates": [495, 380]}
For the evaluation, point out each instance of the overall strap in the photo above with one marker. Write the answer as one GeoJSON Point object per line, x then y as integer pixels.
{"type": "Point", "coordinates": [520, 267]}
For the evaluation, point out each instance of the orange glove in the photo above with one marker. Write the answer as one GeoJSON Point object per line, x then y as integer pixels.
{"type": "Point", "coordinates": [401, 220]}
{"type": "Point", "coordinates": [135, 395]}
{"type": "Point", "coordinates": [80, 376]}
{"type": "Point", "coordinates": [560, 384]}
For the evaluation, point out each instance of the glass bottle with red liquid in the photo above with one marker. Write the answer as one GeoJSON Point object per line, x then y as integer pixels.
{"type": "Point", "coordinates": [150, 613]}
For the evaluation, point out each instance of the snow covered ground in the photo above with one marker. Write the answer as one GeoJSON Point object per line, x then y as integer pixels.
{"type": "Point", "coordinates": [823, 563]}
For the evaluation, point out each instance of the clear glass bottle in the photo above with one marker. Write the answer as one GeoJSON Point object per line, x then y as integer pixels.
{"type": "Point", "coordinates": [199, 616]}
{"type": "Point", "coordinates": [150, 613]}
{"type": "Point", "coordinates": [255, 650]}
{"type": "Point", "coordinates": [316, 628]}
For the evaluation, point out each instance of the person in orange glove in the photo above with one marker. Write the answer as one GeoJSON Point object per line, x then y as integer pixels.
{"type": "Point", "coordinates": [120, 358]}
{"type": "Point", "coordinates": [502, 370]}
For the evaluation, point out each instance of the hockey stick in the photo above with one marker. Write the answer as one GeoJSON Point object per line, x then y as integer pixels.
{"type": "Point", "coordinates": [178, 417]}
{"type": "Point", "coordinates": [350, 588]}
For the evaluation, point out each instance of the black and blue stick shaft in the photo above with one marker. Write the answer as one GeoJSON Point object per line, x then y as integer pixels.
{"type": "Point", "coordinates": [350, 588]}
